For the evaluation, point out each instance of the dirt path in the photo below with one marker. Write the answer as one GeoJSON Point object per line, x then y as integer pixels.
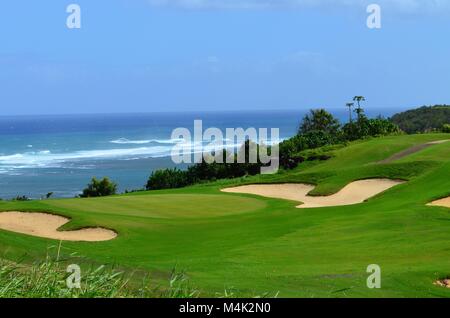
{"type": "Point", "coordinates": [46, 225]}
{"type": "Point", "coordinates": [411, 150]}
{"type": "Point", "coordinates": [353, 193]}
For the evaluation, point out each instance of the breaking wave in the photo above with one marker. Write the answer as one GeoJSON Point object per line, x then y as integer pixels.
{"type": "Point", "coordinates": [125, 141]}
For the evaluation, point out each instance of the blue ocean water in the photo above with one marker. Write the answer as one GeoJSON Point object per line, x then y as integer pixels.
{"type": "Point", "coordinates": [60, 153]}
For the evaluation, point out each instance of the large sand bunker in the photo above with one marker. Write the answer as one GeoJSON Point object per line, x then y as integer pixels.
{"type": "Point", "coordinates": [353, 193]}
{"type": "Point", "coordinates": [46, 225]}
{"type": "Point", "coordinates": [445, 202]}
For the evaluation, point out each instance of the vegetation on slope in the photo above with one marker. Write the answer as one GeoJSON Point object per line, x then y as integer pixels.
{"type": "Point", "coordinates": [317, 129]}
{"type": "Point", "coordinates": [424, 119]}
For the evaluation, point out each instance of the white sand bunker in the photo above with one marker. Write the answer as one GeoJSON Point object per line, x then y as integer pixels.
{"type": "Point", "coordinates": [443, 283]}
{"type": "Point", "coordinates": [353, 193]}
{"type": "Point", "coordinates": [445, 202]}
{"type": "Point", "coordinates": [46, 225]}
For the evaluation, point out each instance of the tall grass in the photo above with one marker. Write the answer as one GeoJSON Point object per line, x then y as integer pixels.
{"type": "Point", "coordinates": [48, 279]}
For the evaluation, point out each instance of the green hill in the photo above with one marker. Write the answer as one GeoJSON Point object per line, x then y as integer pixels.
{"type": "Point", "coordinates": [423, 119]}
{"type": "Point", "coordinates": [256, 245]}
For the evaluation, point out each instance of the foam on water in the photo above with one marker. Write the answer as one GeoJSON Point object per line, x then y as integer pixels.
{"type": "Point", "coordinates": [48, 159]}
{"type": "Point", "coordinates": [125, 141]}
{"type": "Point", "coordinates": [40, 154]}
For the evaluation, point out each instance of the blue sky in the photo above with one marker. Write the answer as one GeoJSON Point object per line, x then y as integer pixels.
{"type": "Point", "coordinates": [176, 55]}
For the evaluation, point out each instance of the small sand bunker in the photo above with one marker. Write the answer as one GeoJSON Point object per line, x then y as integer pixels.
{"type": "Point", "coordinates": [353, 193]}
{"type": "Point", "coordinates": [46, 225]}
{"type": "Point", "coordinates": [445, 202]}
{"type": "Point", "coordinates": [443, 283]}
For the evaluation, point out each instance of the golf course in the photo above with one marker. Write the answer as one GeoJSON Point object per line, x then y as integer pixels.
{"type": "Point", "coordinates": [256, 244]}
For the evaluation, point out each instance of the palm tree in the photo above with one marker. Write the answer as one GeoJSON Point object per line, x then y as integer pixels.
{"type": "Point", "coordinates": [350, 105]}
{"type": "Point", "coordinates": [359, 99]}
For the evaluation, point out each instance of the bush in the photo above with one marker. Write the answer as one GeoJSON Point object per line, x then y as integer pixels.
{"type": "Point", "coordinates": [365, 127]}
{"type": "Point", "coordinates": [382, 127]}
{"type": "Point", "coordinates": [320, 138]}
{"type": "Point", "coordinates": [167, 179]}
{"type": "Point", "coordinates": [99, 188]}
{"type": "Point", "coordinates": [288, 151]}
{"type": "Point", "coordinates": [446, 128]}
{"type": "Point", "coordinates": [21, 198]}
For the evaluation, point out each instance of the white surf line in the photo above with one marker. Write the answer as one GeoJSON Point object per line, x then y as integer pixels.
{"type": "Point", "coordinates": [353, 193]}
{"type": "Point", "coordinates": [46, 225]}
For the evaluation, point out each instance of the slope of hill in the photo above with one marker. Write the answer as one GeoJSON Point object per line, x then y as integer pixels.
{"type": "Point", "coordinates": [255, 244]}
{"type": "Point", "coordinates": [423, 119]}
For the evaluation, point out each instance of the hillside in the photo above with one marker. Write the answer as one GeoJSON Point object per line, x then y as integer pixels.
{"type": "Point", "coordinates": [423, 119]}
{"type": "Point", "coordinates": [252, 244]}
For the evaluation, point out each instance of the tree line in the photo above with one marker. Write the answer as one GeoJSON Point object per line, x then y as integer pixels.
{"type": "Point", "coordinates": [317, 129]}
{"type": "Point", "coordinates": [424, 119]}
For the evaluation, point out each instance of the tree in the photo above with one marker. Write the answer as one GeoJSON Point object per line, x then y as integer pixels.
{"type": "Point", "coordinates": [319, 120]}
{"type": "Point", "coordinates": [350, 106]}
{"type": "Point", "coordinates": [359, 111]}
{"type": "Point", "coordinates": [167, 179]}
{"type": "Point", "coordinates": [99, 188]}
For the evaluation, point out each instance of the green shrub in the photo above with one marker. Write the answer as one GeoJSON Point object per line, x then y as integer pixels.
{"type": "Point", "coordinates": [21, 198]}
{"type": "Point", "coordinates": [99, 188]}
{"type": "Point", "coordinates": [446, 128]}
{"type": "Point", "coordinates": [366, 127]}
{"type": "Point", "coordinates": [167, 179]}
{"type": "Point", "coordinates": [289, 150]}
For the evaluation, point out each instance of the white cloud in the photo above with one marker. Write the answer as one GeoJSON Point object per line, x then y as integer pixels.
{"type": "Point", "coordinates": [400, 5]}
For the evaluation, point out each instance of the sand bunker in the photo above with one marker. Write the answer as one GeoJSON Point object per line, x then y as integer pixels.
{"type": "Point", "coordinates": [445, 202]}
{"type": "Point", "coordinates": [46, 225]}
{"type": "Point", "coordinates": [412, 150]}
{"type": "Point", "coordinates": [353, 193]}
{"type": "Point", "coordinates": [443, 283]}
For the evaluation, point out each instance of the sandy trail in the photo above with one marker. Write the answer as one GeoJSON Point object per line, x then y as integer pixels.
{"type": "Point", "coordinates": [353, 193]}
{"type": "Point", "coordinates": [445, 202]}
{"type": "Point", "coordinates": [412, 150]}
{"type": "Point", "coordinates": [46, 225]}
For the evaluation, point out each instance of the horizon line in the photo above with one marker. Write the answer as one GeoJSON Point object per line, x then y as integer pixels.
{"type": "Point", "coordinates": [201, 111]}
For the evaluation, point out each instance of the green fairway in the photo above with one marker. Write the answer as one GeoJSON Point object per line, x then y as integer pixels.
{"type": "Point", "coordinates": [256, 245]}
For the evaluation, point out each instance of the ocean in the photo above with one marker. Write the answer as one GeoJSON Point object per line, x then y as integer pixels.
{"type": "Point", "coordinates": [61, 153]}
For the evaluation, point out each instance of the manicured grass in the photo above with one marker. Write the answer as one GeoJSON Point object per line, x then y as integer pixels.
{"type": "Point", "coordinates": [258, 245]}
